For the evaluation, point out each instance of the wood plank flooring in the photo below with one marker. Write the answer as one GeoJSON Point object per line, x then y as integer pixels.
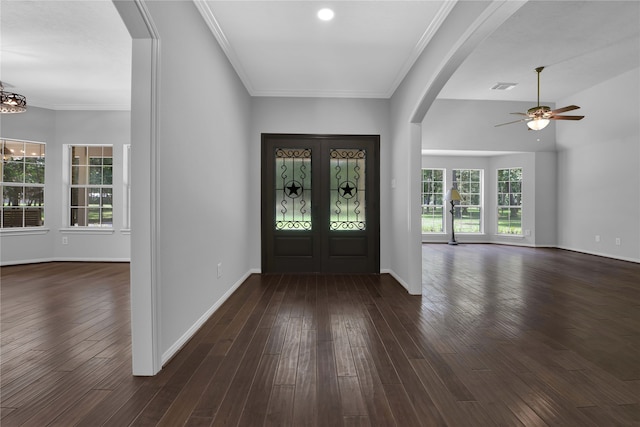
{"type": "Point", "coordinates": [502, 336]}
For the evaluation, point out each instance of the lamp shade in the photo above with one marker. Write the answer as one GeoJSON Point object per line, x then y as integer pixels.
{"type": "Point", "coordinates": [538, 124]}
{"type": "Point", "coordinates": [452, 195]}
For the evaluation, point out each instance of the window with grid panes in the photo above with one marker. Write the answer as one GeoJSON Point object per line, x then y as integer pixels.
{"type": "Point", "coordinates": [432, 200]}
{"type": "Point", "coordinates": [91, 186]}
{"type": "Point", "coordinates": [510, 201]}
{"type": "Point", "coordinates": [22, 182]}
{"type": "Point", "coordinates": [468, 211]}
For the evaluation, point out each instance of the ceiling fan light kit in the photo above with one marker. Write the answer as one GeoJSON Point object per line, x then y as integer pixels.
{"type": "Point", "coordinates": [537, 124]}
{"type": "Point", "coordinates": [11, 102]}
{"type": "Point", "coordinates": [538, 117]}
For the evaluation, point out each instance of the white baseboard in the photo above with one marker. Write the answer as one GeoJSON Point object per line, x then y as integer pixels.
{"type": "Point", "coordinates": [567, 248]}
{"type": "Point", "coordinates": [397, 278]}
{"type": "Point", "coordinates": [175, 348]}
{"type": "Point", "coordinates": [621, 258]}
{"type": "Point", "coordinates": [60, 259]}
{"type": "Point", "coordinates": [26, 261]}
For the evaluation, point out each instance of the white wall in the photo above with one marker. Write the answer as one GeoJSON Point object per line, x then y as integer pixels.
{"type": "Point", "coordinates": [466, 25]}
{"type": "Point", "coordinates": [599, 170]}
{"type": "Point", "coordinates": [545, 229]}
{"type": "Point", "coordinates": [465, 126]}
{"type": "Point", "coordinates": [538, 210]}
{"type": "Point", "coordinates": [321, 116]}
{"type": "Point", "coordinates": [57, 128]}
{"type": "Point", "coordinates": [454, 124]}
{"type": "Point", "coordinates": [202, 185]}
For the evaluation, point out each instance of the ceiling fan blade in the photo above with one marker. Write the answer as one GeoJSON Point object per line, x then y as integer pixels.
{"type": "Point", "coordinates": [515, 121]}
{"type": "Point", "coordinates": [566, 117]}
{"type": "Point", "coordinates": [565, 109]}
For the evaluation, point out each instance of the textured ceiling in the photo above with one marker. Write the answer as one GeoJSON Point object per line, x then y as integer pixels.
{"type": "Point", "coordinates": [66, 54]}
{"type": "Point", "coordinates": [580, 43]}
{"type": "Point", "coordinates": [77, 54]}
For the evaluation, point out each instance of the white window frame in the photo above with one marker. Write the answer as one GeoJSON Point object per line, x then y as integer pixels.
{"type": "Point", "coordinates": [510, 207]}
{"type": "Point", "coordinates": [67, 186]}
{"type": "Point", "coordinates": [460, 205]}
{"type": "Point", "coordinates": [442, 205]}
{"type": "Point", "coordinates": [23, 184]}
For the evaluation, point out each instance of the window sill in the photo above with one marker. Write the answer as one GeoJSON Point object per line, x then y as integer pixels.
{"type": "Point", "coordinates": [87, 230]}
{"type": "Point", "coordinates": [510, 236]}
{"type": "Point", "coordinates": [21, 231]}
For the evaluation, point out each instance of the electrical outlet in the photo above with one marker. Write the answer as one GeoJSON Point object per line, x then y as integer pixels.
{"type": "Point", "coordinates": [65, 240]}
{"type": "Point", "coordinates": [617, 241]}
{"type": "Point", "coordinates": [597, 238]}
{"type": "Point", "coordinates": [527, 232]}
{"type": "Point", "coordinates": [219, 270]}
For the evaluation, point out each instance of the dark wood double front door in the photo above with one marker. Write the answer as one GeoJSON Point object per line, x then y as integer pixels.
{"type": "Point", "coordinates": [320, 203]}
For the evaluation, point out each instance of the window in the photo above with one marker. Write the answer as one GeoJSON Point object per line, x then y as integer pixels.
{"type": "Point", "coordinates": [468, 212]}
{"type": "Point", "coordinates": [432, 200]}
{"type": "Point", "coordinates": [91, 189]}
{"type": "Point", "coordinates": [22, 183]}
{"type": "Point", "coordinates": [510, 201]}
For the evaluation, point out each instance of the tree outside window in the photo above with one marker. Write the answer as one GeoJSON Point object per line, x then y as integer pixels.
{"type": "Point", "coordinates": [510, 201]}
{"type": "Point", "coordinates": [432, 200]}
{"type": "Point", "coordinates": [91, 188]}
{"type": "Point", "coordinates": [22, 183]}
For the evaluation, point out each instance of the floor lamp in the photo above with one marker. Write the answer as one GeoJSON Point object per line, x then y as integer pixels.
{"type": "Point", "coordinates": [452, 196]}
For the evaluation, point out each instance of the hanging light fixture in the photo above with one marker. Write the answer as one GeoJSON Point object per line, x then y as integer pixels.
{"type": "Point", "coordinates": [538, 123]}
{"type": "Point", "coordinates": [11, 102]}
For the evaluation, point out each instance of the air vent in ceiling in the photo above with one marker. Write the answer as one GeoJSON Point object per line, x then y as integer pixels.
{"type": "Point", "coordinates": [504, 86]}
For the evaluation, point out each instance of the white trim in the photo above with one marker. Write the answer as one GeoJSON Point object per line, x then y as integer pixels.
{"type": "Point", "coordinates": [400, 280]}
{"type": "Point", "coordinates": [126, 185]}
{"type": "Point", "coordinates": [600, 254]}
{"type": "Point", "coordinates": [67, 150]}
{"type": "Point", "coordinates": [489, 20]}
{"type": "Point", "coordinates": [81, 259]}
{"type": "Point", "coordinates": [81, 107]}
{"type": "Point", "coordinates": [23, 231]}
{"type": "Point", "coordinates": [212, 23]}
{"type": "Point", "coordinates": [154, 297]}
{"type": "Point", "coordinates": [223, 41]}
{"type": "Point", "coordinates": [26, 261]}
{"type": "Point", "coordinates": [510, 236]}
{"type": "Point", "coordinates": [61, 259]}
{"type": "Point", "coordinates": [426, 37]}
{"type": "Point", "coordinates": [87, 230]}
{"type": "Point", "coordinates": [177, 346]}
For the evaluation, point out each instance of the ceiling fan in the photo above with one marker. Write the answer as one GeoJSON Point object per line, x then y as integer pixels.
{"type": "Point", "coordinates": [538, 117]}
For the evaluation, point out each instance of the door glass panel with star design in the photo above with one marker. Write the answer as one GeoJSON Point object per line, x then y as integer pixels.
{"type": "Point", "coordinates": [347, 189]}
{"type": "Point", "coordinates": [293, 189]}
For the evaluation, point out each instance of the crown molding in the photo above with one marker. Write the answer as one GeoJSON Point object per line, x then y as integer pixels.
{"type": "Point", "coordinates": [207, 14]}
{"type": "Point", "coordinates": [80, 107]}
{"type": "Point", "coordinates": [320, 94]}
{"type": "Point", "coordinates": [212, 23]}
{"type": "Point", "coordinates": [426, 37]}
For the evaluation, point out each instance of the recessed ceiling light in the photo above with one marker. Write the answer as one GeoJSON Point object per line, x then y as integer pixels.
{"type": "Point", "coordinates": [326, 14]}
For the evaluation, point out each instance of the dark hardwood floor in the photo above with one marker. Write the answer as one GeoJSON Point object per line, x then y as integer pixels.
{"type": "Point", "coordinates": [501, 336]}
